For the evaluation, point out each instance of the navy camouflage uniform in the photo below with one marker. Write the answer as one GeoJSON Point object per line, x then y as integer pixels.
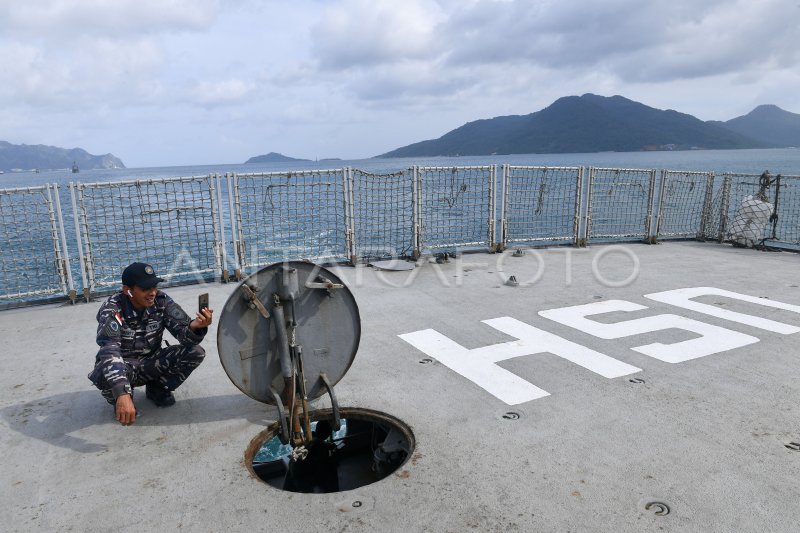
{"type": "Point", "coordinates": [130, 352]}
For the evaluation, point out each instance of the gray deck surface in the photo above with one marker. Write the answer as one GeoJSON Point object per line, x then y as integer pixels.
{"type": "Point", "coordinates": [706, 436]}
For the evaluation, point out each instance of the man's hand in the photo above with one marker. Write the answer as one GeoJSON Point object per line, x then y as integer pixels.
{"type": "Point", "coordinates": [126, 411]}
{"type": "Point", "coordinates": [203, 319]}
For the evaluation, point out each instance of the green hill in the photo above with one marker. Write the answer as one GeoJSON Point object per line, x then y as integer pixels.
{"type": "Point", "coordinates": [576, 124]}
{"type": "Point", "coordinates": [769, 124]}
{"type": "Point", "coordinates": [272, 157]}
{"type": "Point", "coordinates": [23, 156]}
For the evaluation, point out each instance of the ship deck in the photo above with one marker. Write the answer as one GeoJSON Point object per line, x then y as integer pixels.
{"type": "Point", "coordinates": [710, 437]}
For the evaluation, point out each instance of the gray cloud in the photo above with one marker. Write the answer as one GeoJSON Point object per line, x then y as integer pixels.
{"type": "Point", "coordinates": [629, 39]}
{"type": "Point", "coordinates": [359, 77]}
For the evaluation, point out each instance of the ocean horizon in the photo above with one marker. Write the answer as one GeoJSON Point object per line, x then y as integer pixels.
{"type": "Point", "coordinates": [748, 161]}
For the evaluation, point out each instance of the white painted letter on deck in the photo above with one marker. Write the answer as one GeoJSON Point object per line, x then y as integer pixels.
{"type": "Point", "coordinates": [713, 339]}
{"type": "Point", "coordinates": [682, 298]}
{"type": "Point", "coordinates": [478, 365]}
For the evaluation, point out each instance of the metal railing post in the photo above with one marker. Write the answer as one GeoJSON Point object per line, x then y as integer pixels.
{"type": "Point", "coordinates": [416, 212]}
{"type": "Point", "coordinates": [706, 213]}
{"type": "Point", "coordinates": [78, 240]}
{"type": "Point", "coordinates": [492, 207]}
{"type": "Point", "coordinates": [220, 246]}
{"type": "Point", "coordinates": [67, 267]}
{"type": "Point", "coordinates": [724, 206]}
{"type": "Point", "coordinates": [349, 215]}
{"type": "Point", "coordinates": [237, 273]}
{"type": "Point", "coordinates": [504, 207]}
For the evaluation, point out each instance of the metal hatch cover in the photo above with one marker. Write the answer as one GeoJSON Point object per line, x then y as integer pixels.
{"type": "Point", "coordinates": [322, 328]}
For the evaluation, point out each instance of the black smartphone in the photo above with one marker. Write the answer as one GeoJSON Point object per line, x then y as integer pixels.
{"type": "Point", "coordinates": [202, 301]}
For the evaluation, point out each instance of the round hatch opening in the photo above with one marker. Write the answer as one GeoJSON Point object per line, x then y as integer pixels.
{"type": "Point", "coordinates": [368, 446]}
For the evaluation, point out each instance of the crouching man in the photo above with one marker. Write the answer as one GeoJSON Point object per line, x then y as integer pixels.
{"type": "Point", "coordinates": [129, 330]}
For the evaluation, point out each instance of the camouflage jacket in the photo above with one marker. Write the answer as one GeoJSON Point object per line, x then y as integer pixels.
{"type": "Point", "coordinates": [123, 333]}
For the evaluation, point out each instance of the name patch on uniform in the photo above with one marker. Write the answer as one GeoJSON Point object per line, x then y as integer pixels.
{"type": "Point", "coordinates": [151, 327]}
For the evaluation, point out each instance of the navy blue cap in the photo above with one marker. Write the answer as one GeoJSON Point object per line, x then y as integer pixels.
{"type": "Point", "coordinates": [140, 275]}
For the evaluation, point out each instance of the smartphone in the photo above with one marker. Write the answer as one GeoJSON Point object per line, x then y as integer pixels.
{"type": "Point", "coordinates": [202, 301]}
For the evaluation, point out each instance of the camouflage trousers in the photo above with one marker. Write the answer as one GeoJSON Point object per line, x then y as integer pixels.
{"type": "Point", "coordinates": [169, 366]}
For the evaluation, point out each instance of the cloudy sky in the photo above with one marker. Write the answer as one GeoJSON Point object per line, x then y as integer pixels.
{"type": "Point", "coordinates": [183, 82]}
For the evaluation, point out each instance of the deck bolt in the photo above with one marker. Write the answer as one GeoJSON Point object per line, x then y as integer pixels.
{"type": "Point", "coordinates": [511, 415]}
{"type": "Point", "coordinates": [658, 508]}
{"type": "Point", "coordinates": [357, 503]}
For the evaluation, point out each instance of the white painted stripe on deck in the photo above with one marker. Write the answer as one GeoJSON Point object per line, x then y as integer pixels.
{"type": "Point", "coordinates": [714, 339]}
{"type": "Point", "coordinates": [682, 298]}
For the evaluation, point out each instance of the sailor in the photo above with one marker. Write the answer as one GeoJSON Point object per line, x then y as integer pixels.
{"type": "Point", "coordinates": [130, 324]}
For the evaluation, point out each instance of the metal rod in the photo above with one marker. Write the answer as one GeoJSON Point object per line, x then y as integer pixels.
{"type": "Point", "coordinates": [70, 282]}
{"type": "Point", "coordinates": [232, 218]}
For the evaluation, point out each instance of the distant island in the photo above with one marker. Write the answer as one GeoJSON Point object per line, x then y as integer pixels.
{"type": "Point", "coordinates": [15, 157]}
{"type": "Point", "coordinates": [592, 123]}
{"type": "Point", "coordinates": [272, 157]}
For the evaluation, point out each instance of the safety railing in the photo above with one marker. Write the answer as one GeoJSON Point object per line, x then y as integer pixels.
{"type": "Point", "coordinates": [171, 223]}
{"type": "Point", "coordinates": [33, 246]}
{"type": "Point", "coordinates": [201, 227]}
{"type": "Point", "coordinates": [540, 204]}
{"type": "Point", "coordinates": [382, 215]}
{"type": "Point", "coordinates": [683, 204]}
{"type": "Point", "coordinates": [454, 207]}
{"type": "Point", "coordinates": [620, 203]}
{"type": "Point", "coordinates": [290, 215]}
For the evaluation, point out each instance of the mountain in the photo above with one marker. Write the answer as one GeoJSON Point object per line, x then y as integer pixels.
{"type": "Point", "coordinates": [272, 157]}
{"type": "Point", "coordinates": [577, 124]}
{"type": "Point", "coordinates": [769, 124]}
{"type": "Point", "coordinates": [27, 157]}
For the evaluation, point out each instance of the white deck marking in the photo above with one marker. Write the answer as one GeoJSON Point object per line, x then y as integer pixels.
{"type": "Point", "coordinates": [682, 298]}
{"type": "Point", "coordinates": [714, 339]}
{"type": "Point", "coordinates": [478, 365]}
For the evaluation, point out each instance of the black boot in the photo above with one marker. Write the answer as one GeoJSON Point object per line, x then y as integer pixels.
{"type": "Point", "coordinates": [159, 395]}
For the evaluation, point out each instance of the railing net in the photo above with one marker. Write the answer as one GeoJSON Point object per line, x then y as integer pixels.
{"type": "Point", "coordinates": [541, 204]}
{"type": "Point", "coordinates": [682, 206]}
{"type": "Point", "coordinates": [169, 223]}
{"type": "Point", "coordinates": [383, 214]}
{"type": "Point", "coordinates": [30, 255]}
{"type": "Point", "coordinates": [456, 206]}
{"type": "Point", "coordinates": [289, 216]}
{"type": "Point", "coordinates": [620, 203]}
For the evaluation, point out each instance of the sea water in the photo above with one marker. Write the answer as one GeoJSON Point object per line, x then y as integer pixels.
{"type": "Point", "coordinates": [784, 161]}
